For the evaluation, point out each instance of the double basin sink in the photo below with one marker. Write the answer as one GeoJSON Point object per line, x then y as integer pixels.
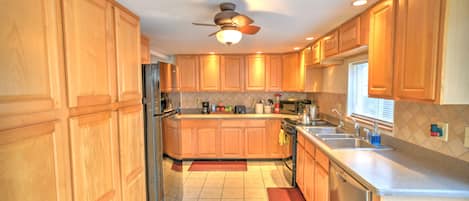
{"type": "Point", "coordinates": [336, 138]}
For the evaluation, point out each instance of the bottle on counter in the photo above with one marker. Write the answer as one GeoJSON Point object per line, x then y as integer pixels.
{"type": "Point", "coordinates": [375, 136]}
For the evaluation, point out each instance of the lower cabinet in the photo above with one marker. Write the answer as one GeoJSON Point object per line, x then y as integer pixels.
{"type": "Point", "coordinates": [321, 183]}
{"type": "Point", "coordinates": [309, 175]}
{"type": "Point", "coordinates": [95, 156]}
{"type": "Point", "coordinates": [274, 150]}
{"type": "Point", "coordinates": [171, 138]}
{"type": "Point", "coordinates": [232, 142]}
{"type": "Point", "coordinates": [300, 164]}
{"type": "Point", "coordinates": [255, 142]}
{"type": "Point", "coordinates": [206, 145]}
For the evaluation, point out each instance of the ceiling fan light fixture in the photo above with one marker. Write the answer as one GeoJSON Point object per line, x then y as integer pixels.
{"type": "Point", "coordinates": [359, 2]}
{"type": "Point", "coordinates": [229, 37]}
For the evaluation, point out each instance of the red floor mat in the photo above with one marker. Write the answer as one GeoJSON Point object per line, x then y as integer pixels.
{"type": "Point", "coordinates": [177, 166]}
{"type": "Point", "coordinates": [218, 166]}
{"type": "Point", "coordinates": [284, 194]}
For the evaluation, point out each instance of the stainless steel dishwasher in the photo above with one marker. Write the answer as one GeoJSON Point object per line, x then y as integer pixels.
{"type": "Point", "coordinates": [343, 187]}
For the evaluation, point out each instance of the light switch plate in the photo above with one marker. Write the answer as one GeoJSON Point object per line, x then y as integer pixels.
{"type": "Point", "coordinates": [443, 126]}
{"type": "Point", "coordinates": [466, 138]}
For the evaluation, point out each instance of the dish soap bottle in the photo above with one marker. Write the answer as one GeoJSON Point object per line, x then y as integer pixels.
{"type": "Point", "coordinates": [375, 136]}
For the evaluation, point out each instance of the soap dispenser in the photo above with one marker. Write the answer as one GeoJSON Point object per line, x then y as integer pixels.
{"type": "Point", "coordinates": [375, 136]}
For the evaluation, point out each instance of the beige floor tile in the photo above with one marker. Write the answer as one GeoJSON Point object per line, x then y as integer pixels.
{"type": "Point", "coordinates": [256, 199]}
{"type": "Point", "coordinates": [237, 193]}
{"type": "Point", "coordinates": [211, 193]}
{"type": "Point", "coordinates": [208, 199]}
{"type": "Point", "coordinates": [230, 199]}
{"type": "Point", "coordinates": [255, 193]}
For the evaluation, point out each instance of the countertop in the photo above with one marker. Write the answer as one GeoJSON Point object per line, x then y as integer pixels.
{"type": "Point", "coordinates": [233, 116]}
{"type": "Point", "coordinates": [394, 173]}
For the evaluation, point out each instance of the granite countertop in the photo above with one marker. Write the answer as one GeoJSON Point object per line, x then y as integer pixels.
{"type": "Point", "coordinates": [233, 116]}
{"type": "Point", "coordinates": [394, 173]}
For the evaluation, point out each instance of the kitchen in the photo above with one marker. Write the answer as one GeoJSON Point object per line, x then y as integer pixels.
{"type": "Point", "coordinates": [81, 119]}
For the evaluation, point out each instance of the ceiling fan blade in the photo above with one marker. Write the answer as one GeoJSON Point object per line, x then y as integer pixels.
{"type": "Point", "coordinates": [204, 24]}
{"type": "Point", "coordinates": [212, 34]}
{"type": "Point", "coordinates": [242, 20]}
{"type": "Point", "coordinates": [249, 29]}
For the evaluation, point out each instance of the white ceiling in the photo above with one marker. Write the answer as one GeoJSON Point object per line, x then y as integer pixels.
{"type": "Point", "coordinates": [285, 23]}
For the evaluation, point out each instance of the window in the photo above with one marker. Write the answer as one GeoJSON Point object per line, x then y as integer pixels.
{"type": "Point", "coordinates": [359, 104]}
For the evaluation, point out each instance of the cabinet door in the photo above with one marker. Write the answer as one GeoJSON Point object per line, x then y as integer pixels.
{"type": "Point", "coordinates": [255, 142]}
{"type": "Point", "coordinates": [30, 56]}
{"type": "Point", "coordinates": [308, 175]}
{"type": "Point", "coordinates": [206, 142]}
{"type": "Point", "coordinates": [364, 27]}
{"type": "Point", "coordinates": [313, 79]}
{"type": "Point", "coordinates": [349, 35]}
{"type": "Point", "coordinates": [330, 44]}
{"type": "Point", "coordinates": [232, 142]}
{"type": "Point", "coordinates": [187, 140]}
{"type": "Point", "coordinates": [321, 184]}
{"type": "Point", "coordinates": [165, 77]}
{"type": "Point", "coordinates": [308, 57]}
{"type": "Point", "coordinates": [34, 163]}
{"type": "Point", "coordinates": [300, 165]}
{"type": "Point", "coordinates": [188, 73]}
{"type": "Point", "coordinates": [274, 73]}
{"type": "Point", "coordinates": [316, 53]}
{"type": "Point", "coordinates": [255, 73]}
{"type": "Point", "coordinates": [381, 50]}
{"type": "Point", "coordinates": [274, 150]}
{"type": "Point", "coordinates": [209, 73]}
{"type": "Point", "coordinates": [129, 76]}
{"type": "Point", "coordinates": [145, 50]}
{"type": "Point", "coordinates": [290, 72]}
{"type": "Point", "coordinates": [132, 153]}
{"type": "Point", "coordinates": [171, 139]}
{"type": "Point", "coordinates": [232, 69]}
{"type": "Point", "coordinates": [417, 49]}
{"type": "Point", "coordinates": [95, 159]}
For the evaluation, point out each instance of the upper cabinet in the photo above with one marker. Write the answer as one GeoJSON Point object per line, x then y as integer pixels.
{"type": "Point", "coordinates": [316, 53]}
{"type": "Point", "coordinates": [145, 50]}
{"type": "Point", "coordinates": [381, 50]}
{"type": "Point", "coordinates": [90, 58]}
{"type": "Point", "coordinates": [209, 73]}
{"type": "Point", "coordinates": [308, 57]}
{"type": "Point", "coordinates": [365, 27]}
{"type": "Point", "coordinates": [165, 77]}
{"type": "Point", "coordinates": [187, 73]}
{"type": "Point", "coordinates": [291, 72]}
{"type": "Point", "coordinates": [349, 35]}
{"type": "Point", "coordinates": [273, 73]}
{"type": "Point", "coordinates": [30, 58]}
{"type": "Point", "coordinates": [129, 76]}
{"type": "Point", "coordinates": [330, 44]}
{"type": "Point", "coordinates": [255, 73]}
{"type": "Point", "coordinates": [231, 73]}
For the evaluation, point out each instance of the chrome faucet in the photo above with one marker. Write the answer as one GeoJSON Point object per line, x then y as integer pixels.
{"type": "Point", "coordinates": [356, 125]}
{"type": "Point", "coordinates": [339, 115]}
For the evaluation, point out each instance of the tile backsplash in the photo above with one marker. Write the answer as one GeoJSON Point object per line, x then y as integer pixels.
{"type": "Point", "coordinates": [194, 99]}
{"type": "Point", "coordinates": [412, 122]}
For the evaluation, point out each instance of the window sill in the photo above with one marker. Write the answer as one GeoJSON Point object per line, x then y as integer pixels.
{"type": "Point", "coordinates": [386, 126]}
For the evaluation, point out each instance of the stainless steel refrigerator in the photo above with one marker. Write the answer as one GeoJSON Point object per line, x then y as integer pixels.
{"type": "Point", "coordinates": [157, 106]}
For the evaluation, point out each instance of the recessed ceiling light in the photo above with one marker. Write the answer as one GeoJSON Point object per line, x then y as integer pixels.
{"type": "Point", "coordinates": [310, 38]}
{"type": "Point", "coordinates": [211, 52]}
{"type": "Point", "coordinates": [296, 48]}
{"type": "Point", "coordinates": [359, 2]}
{"type": "Point", "coordinates": [258, 52]}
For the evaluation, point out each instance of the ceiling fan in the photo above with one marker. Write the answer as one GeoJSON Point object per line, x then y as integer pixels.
{"type": "Point", "coordinates": [232, 24]}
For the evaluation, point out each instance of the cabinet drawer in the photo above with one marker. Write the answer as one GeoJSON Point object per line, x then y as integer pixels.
{"type": "Point", "coordinates": [199, 123]}
{"type": "Point", "coordinates": [309, 147]}
{"type": "Point", "coordinates": [301, 139]}
{"type": "Point", "coordinates": [233, 123]}
{"type": "Point", "coordinates": [255, 123]}
{"type": "Point", "coordinates": [322, 159]}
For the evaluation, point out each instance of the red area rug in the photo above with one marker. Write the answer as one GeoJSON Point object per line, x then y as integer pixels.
{"type": "Point", "coordinates": [218, 166]}
{"type": "Point", "coordinates": [177, 166]}
{"type": "Point", "coordinates": [284, 194]}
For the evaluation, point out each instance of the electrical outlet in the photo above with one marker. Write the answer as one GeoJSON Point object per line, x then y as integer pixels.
{"type": "Point", "coordinates": [466, 138]}
{"type": "Point", "coordinates": [445, 133]}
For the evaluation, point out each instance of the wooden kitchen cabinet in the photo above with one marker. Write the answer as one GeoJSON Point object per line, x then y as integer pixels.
{"type": "Point", "coordinates": [308, 56]}
{"type": "Point", "coordinates": [206, 139]}
{"type": "Point", "coordinates": [187, 142]}
{"type": "Point", "coordinates": [255, 142]}
{"type": "Point", "coordinates": [365, 27]}
{"type": "Point", "coordinates": [187, 73]}
{"type": "Point", "coordinates": [30, 60]}
{"type": "Point", "coordinates": [35, 163]}
{"type": "Point", "coordinates": [166, 82]}
{"type": "Point", "coordinates": [313, 79]}
{"type": "Point", "coordinates": [132, 153]}
{"type": "Point", "coordinates": [209, 73]}
{"type": "Point", "coordinates": [274, 150]}
{"type": "Point", "coordinates": [94, 149]}
{"type": "Point", "coordinates": [232, 73]}
{"type": "Point", "coordinates": [321, 184]}
{"type": "Point", "coordinates": [255, 72]}
{"type": "Point", "coordinates": [381, 50]}
{"type": "Point", "coordinates": [129, 70]}
{"type": "Point", "coordinates": [171, 137]}
{"type": "Point", "coordinates": [316, 53]}
{"type": "Point", "coordinates": [350, 35]}
{"type": "Point", "coordinates": [145, 50]}
{"type": "Point", "coordinates": [308, 175]}
{"type": "Point", "coordinates": [291, 68]}
{"type": "Point", "coordinates": [232, 142]}
{"type": "Point", "coordinates": [300, 166]}
{"type": "Point", "coordinates": [273, 73]}
{"type": "Point", "coordinates": [330, 44]}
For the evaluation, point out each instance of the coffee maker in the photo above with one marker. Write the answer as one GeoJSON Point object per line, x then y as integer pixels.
{"type": "Point", "coordinates": [205, 107]}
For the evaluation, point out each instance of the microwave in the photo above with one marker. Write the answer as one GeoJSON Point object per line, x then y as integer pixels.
{"type": "Point", "coordinates": [293, 106]}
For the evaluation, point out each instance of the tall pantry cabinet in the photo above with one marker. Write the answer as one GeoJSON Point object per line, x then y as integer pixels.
{"type": "Point", "coordinates": [71, 124]}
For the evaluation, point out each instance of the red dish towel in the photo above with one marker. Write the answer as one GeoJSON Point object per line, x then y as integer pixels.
{"type": "Point", "coordinates": [218, 166]}
{"type": "Point", "coordinates": [284, 194]}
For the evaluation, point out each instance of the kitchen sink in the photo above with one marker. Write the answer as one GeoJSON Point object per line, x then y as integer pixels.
{"type": "Point", "coordinates": [323, 129]}
{"type": "Point", "coordinates": [335, 135]}
{"type": "Point", "coordinates": [351, 143]}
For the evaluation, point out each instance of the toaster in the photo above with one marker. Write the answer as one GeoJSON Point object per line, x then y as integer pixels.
{"type": "Point", "coordinates": [240, 109]}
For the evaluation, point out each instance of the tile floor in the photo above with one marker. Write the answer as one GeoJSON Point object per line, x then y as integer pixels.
{"type": "Point", "coordinates": [223, 186]}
